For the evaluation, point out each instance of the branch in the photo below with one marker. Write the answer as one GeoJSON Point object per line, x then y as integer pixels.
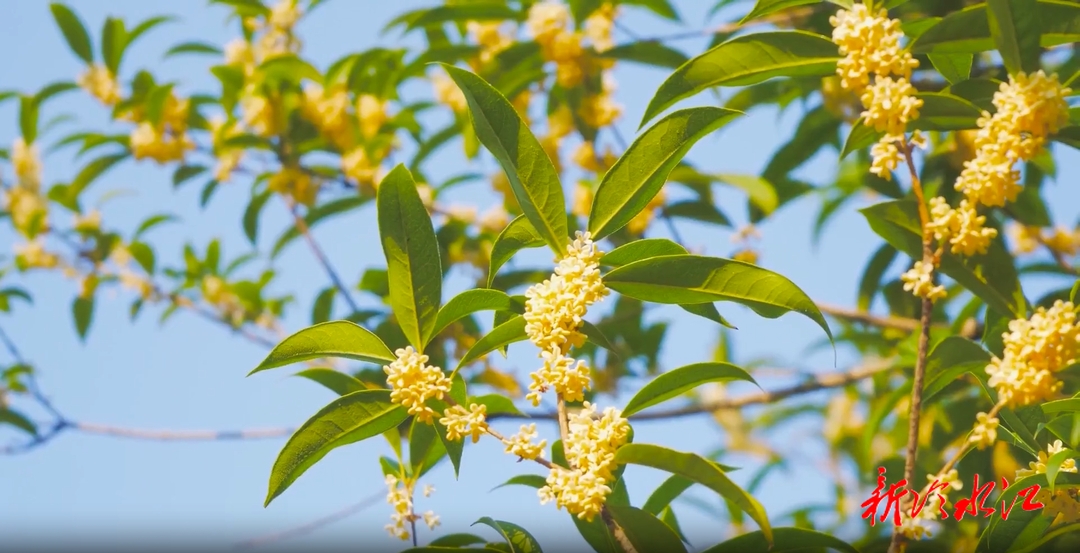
{"type": "Point", "coordinates": [311, 526]}
{"type": "Point", "coordinates": [899, 323]}
{"type": "Point", "coordinates": [301, 226]}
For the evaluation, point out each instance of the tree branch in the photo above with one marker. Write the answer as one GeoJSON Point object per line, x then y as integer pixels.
{"type": "Point", "coordinates": [899, 323]}
{"type": "Point", "coordinates": [301, 226]}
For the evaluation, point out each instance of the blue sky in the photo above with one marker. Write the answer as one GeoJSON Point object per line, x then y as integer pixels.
{"type": "Point", "coordinates": [190, 375]}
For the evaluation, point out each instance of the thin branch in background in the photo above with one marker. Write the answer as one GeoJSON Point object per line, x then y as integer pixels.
{"type": "Point", "coordinates": [1059, 257]}
{"type": "Point", "coordinates": [302, 227]}
{"type": "Point", "coordinates": [312, 526]}
{"type": "Point", "coordinates": [898, 323]}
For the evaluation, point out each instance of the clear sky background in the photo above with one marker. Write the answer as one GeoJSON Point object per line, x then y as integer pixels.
{"type": "Point", "coordinates": [190, 375]}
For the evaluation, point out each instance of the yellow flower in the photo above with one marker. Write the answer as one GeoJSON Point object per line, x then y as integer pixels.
{"type": "Point", "coordinates": [227, 162]}
{"type": "Point", "coordinates": [886, 156]}
{"type": "Point", "coordinates": [641, 221]}
{"type": "Point", "coordinates": [461, 422]}
{"type": "Point", "coordinates": [963, 227]}
{"type": "Point", "coordinates": [555, 308]}
{"type": "Point", "coordinates": [560, 123]}
{"type": "Point", "coordinates": [920, 282]}
{"type": "Point", "coordinates": [90, 222]}
{"type": "Point", "coordinates": [27, 163]}
{"type": "Point", "coordinates": [746, 256]}
{"type": "Point", "coordinates": [372, 113]}
{"type": "Point", "coordinates": [412, 382]}
{"type": "Point", "coordinates": [1063, 241]}
{"type": "Point", "coordinates": [295, 182]}
{"type": "Point", "coordinates": [985, 432]}
{"type": "Point", "coordinates": [400, 497]}
{"type": "Point", "coordinates": [522, 445]}
{"type": "Point", "coordinates": [583, 197]}
{"type": "Point", "coordinates": [284, 15]}
{"type": "Point", "coordinates": [1035, 349]}
{"type": "Point", "coordinates": [431, 520]}
{"type": "Point", "coordinates": [100, 83]}
{"type": "Point", "coordinates": [258, 114]}
{"type": "Point", "coordinates": [356, 165]}
{"type": "Point", "coordinates": [29, 211]}
{"type": "Point", "coordinates": [148, 141]}
{"type": "Point", "coordinates": [488, 35]}
{"type": "Point", "coordinates": [590, 451]}
{"type": "Point", "coordinates": [239, 53]}
{"type": "Point", "coordinates": [1025, 238]}
{"type": "Point", "coordinates": [570, 378]}
{"type": "Point", "coordinates": [890, 104]}
{"type": "Point", "coordinates": [601, 110]}
{"type": "Point", "coordinates": [33, 256]}
{"type": "Point", "coordinates": [328, 111]}
{"type": "Point", "coordinates": [870, 45]}
{"type": "Point", "coordinates": [1039, 467]}
{"type": "Point", "coordinates": [599, 25]}
{"type": "Point", "coordinates": [546, 19]}
{"type": "Point", "coordinates": [495, 219]}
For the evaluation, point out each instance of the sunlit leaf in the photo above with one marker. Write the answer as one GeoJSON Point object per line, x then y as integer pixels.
{"type": "Point", "coordinates": [678, 381]}
{"type": "Point", "coordinates": [333, 339]}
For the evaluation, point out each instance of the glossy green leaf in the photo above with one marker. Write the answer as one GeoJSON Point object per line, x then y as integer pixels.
{"type": "Point", "coordinates": [698, 279]}
{"type": "Point", "coordinates": [646, 533]}
{"type": "Point", "coordinates": [472, 301]}
{"type": "Point", "coordinates": [74, 31]}
{"type": "Point", "coordinates": [761, 192]}
{"type": "Point", "coordinates": [507, 333]}
{"type": "Point", "coordinates": [940, 112]}
{"type": "Point", "coordinates": [784, 539]}
{"type": "Point", "coordinates": [457, 540]}
{"type": "Point", "coordinates": [534, 481]}
{"type": "Point", "coordinates": [519, 539]}
{"type": "Point", "coordinates": [747, 60]}
{"type": "Point", "coordinates": [641, 249]}
{"type": "Point", "coordinates": [335, 381]}
{"type": "Point", "coordinates": [968, 31]}
{"type": "Point", "coordinates": [949, 360]}
{"type": "Point", "coordinates": [346, 420]}
{"type": "Point", "coordinates": [647, 52]}
{"type": "Point", "coordinates": [663, 495]}
{"type": "Point", "coordinates": [1002, 536]}
{"type": "Point", "coordinates": [532, 176]}
{"type": "Point", "coordinates": [333, 339]}
{"type": "Point", "coordinates": [767, 7]}
{"type": "Point", "coordinates": [991, 276]}
{"type": "Point", "coordinates": [518, 235]}
{"type": "Point", "coordinates": [193, 48]}
{"type": "Point", "coordinates": [954, 67]}
{"type": "Point", "coordinates": [496, 404]}
{"type": "Point", "coordinates": [701, 471]}
{"type": "Point", "coordinates": [708, 311]}
{"type": "Point", "coordinates": [82, 309]}
{"type": "Point", "coordinates": [1061, 406]}
{"type": "Point", "coordinates": [1015, 27]}
{"type": "Point", "coordinates": [1053, 465]}
{"type": "Point", "coordinates": [675, 382]}
{"type": "Point", "coordinates": [412, 256]}
{"type": "Point", "coordinates": [637, 177]}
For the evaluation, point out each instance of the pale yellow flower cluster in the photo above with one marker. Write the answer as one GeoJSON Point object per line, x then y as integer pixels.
{"type": "Point", "coordinates": [32, 255]}
{"type": "Point", "coordinates": [870, 44]}
{"type": "Point", "coordinates": [448, 93]}
{"type": "Point", "coordinates": [590, 451]}
{"type": "Point", "coordinates": [26, 206]}
{"type": "Point", "coordinates": [601, 110]}
{"type": "Point", "coordinates": [217, 293]}
{"type": "Point", "coordinates": [489, 36]}
{"type": "Point", "coordinates": [550, 26]}
{"type": "Point", "coordinates": [1039, 466]}
{"type": "Point", "coordinates": [358, 166]}
{"type": "Point", "coordinates": [100, 83]}
{"type": "Point", "coordinates": [412, 382]}
{"type": "Point", "coordinates": [461, 422]}
{"type": "Point", "coordinates": [166, 141]}
{"type": "Point", "coordinates": [554, 312]}
{"type": "Point", "coordinates": [919, 280]}
{"type": "Point", "coordinates": [915, 527]}
{"type": "Point", "coordinates": [586, 157]}
{"type": "Point", "coordinates": [522, 444]}
{"type": "Point", "coordinates": [1029, 110]}
{"type": "Point", "coordinates": [1026, 239]}
{"type": "Point", "coordinates": [984, 434]}
{"type": "Point", "coordinates": [1035, 349]}
{"type": "Point", "coordinates": [328, 110]}
{"type": "Point", "coordinates": [89, 222]}
{"type": "Point", "coordinates": [228, 159]}
{"type": "Point", "coordinates": [296, 183]}
{"type": "Point", "coordinates": [641, 221]}
{"type": "Point", "coordinates": [400, 497]}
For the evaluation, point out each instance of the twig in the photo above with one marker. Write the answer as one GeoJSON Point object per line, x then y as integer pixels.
{"type": "Point", "coordinates": [302, 227]}
{"type": "Point", "coordinates": [311, 526]}
{"type": "Point", "coordinates": [181, 435]}
{"type": "Point", "coordinates": [1059, 257]}
{"type": "Point", "coordinates": [899, 323]}
{"type": "Point", "coordinates": [897, 542]}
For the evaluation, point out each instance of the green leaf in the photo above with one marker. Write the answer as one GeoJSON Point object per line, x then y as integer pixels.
{"type": "Point", "coordinates": [16, 419]}
{"type": "Point", "coordinates": [113, 37]}
{"type": "Point", "coordinates": [784, 539]}
{"type": "Point", "coordinates": [507, 333]}
{"type": "Point", "coordinates": [678, 381]}
{"type": "Point", "coordinates": [767, 7]}
{"type": "Point", "coordinates": [761, 192]}
{"type": "Point", "coordinates": [637, 177]}
{"type": "Point", "coordinates": [193, 48]}
{"type": "Point", "coordinates": [457, 540]}
{"type": "Point", "coordinates": [346, 420]}
{"type": "Point", "coordinates": [82, 309]}
{"type": "Point", "coordinates": [647, 52]}
{"type": "Point", "coordinates": [29, 110]}
{"type": "Point", "coordinates": [663, 495]}
{"type": "Point", "coordinates": [647, 533]}
{"type": "Point", "coordinates": [412, 256]}
{"type": "Point", "coordinates": [333, 339]}
{"type": "Point", "coordinates": [991, 276]}
{"type": "Point", "coordinates": [152, 222]}
{"type": "Point", "coordinates": [496, 404]}
{"type": "Point", "coordinates": [92, 171]}
{"type": "Point", "coordinates": [1001, 536]}
{"type": "Point", "coordinates": [1015, 27]}
{"type": "Point", "coordinates": [518, 235]}
{"type": "Point", "coordinates": [336, 381]}
{"type": "Point", "coordinates": [74, 31]}
{"type": "Point", "coordinates": [641, 249]}
{"type": "Point", "coordinates": [871, 279]}
{"type": "Point", "coordinates": [534, 481]}
{"type": "Point", "coordinates": [747, 60]}
{"type": "Point", "coordinates": [471, 301]}
{"type": "Point", "coordinates": [532, 176]}
{"type": "Point", "coordinates": [698, 279]}
{"type": "Point", "coordinates": [701, 471]}
{"type": "Point", "coordinates": [251, 215]}
{"type": "Point", "coordinates": [1053, 465]}
{"type": "Point", "coordinates": [708, 311]}
{"type": "Point", "coordinates": [519, 540]}
{"type": "Point", "coordinates": [1061, 406]}
{"type": "Point", "coordinates": [1074, 295]}
{"type": "Point", "coordinates": [968, 31]}
{"type": "Point", "coordinates": [949, 360]}
{"type": "Point", "coordinates": [954, 67]}
{"type": "Point", "coordinates": [322, 309]}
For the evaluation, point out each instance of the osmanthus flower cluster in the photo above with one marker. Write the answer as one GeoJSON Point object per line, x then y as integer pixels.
{"type": "Point", "coordinates": [1035, 350]}
{"type": "Point", "coordinates": [934, 500]}
{"type": "Point", "coordinates": [1060, 507]}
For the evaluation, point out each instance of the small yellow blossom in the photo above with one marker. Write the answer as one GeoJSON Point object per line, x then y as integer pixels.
{"type": "Point", "coordinates": [920, 282]}
{"type": "Point", "coordinates": [295, 182]}
{"type": "Point", "coordinates": [963, 227]}
{"type": "Point", "coordinates": [489, 36]}
{"type": "Point", "coordinates": [148, 141]}
{"type": "Point", "coordinates": [448, 93]}
{"type": "Point", "coordinates": [27, 163]}
{"type": "Point", "coordinates": [546, 19]}
{"type": "Point", "coordinates": [238, 52]}
{"type": "Point", "coordinates": [560, 123]}
{"type": "Point", "coordinates": [328, 111]}
{"type": "Point", "coordinates": [461, 422]}
{"type": "Point", "coordinates": [601, 110]}
{"type": "Point", "coordinates": [890, 105]}
{"type": "Point", "coordinates": [89, 222]}
{"type": "Point", "coordinates": [599, 25]}
{"type": "Point", "coordinates": [1039, 467]}
{"type": "Point", "coordinates": [1035, 349]}
{"type": "Point", "coordinates": [1025, 238]}
{"type": "Point", "coordinates": [522, 444]}
{"type": "Point", "coordinates": [641, 221]}
{"type": "Point", "coordinates": [284, 15]}
{"type": "Point", "coordinates": [28, 210]}
{"type": "Point", "coordinates": [583, 198]}
{"type": "Point", "coordinates": [400, 497]}
{"type": "Point", "coordinates": [428, 490]}
{"type": "Point", "coordinates": [985, 432]}
{"type": "Point", "coordinates": [431, 520]}
{"type": "Point", "coordinates": [413, 382]}
{"type": "Point", "coordinates": [258, 114]}
{"type": "Point", "coordinates": [495, 219]}
{"type": "Point", "coordinates": [870, 44]}
{"type": "Point", "coordinates": [100, 83]}
{"type": "Point", "coordinates": [33, 256]}
{"type": "Point", "coordinates": [372, 113]}
{"type": "Point", "coordinates": [746, 256]}
{"type": "Point", "coordinates": [1062, 241]}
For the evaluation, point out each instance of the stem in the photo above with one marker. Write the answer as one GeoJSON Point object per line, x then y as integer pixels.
{"type": "Point", "coordinates": [302, 227]}
{"type": "Point", "coordinates": [897, 543]}
{"type": "Point", "coordinates": [564, 424]}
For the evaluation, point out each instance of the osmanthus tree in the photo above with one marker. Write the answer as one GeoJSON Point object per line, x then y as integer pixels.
{"type": "Point", "coordinates": [947, 108]}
